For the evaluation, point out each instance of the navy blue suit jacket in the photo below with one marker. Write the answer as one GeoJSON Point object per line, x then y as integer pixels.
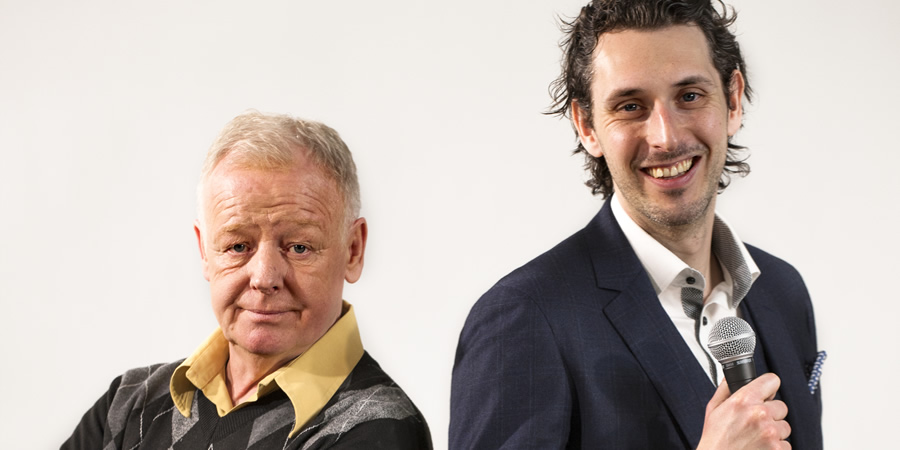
{"type": "Point", "coordinates": [573, 350]}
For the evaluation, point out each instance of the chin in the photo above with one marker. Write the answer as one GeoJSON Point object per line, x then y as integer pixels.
{"type": "Point", "coordinates": [269, 343]}
{"type": "Point", "coordinates": [679, 215]}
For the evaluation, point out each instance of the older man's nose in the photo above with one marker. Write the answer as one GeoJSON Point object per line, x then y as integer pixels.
{"type": "Point", "coordinates": [267, 270]}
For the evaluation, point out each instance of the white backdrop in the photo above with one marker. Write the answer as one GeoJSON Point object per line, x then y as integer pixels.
{"type": "Point", "coordinates": [107, 108]}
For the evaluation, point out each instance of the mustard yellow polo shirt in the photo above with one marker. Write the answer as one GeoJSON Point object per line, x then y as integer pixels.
{"type": "Point", "coordinates": [309, 381]}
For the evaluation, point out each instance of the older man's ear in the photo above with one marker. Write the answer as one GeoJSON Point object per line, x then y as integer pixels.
{"type": "Point", "coordinates": [205, 263]}
{"type": "Point", "coordinates": [356, 249]}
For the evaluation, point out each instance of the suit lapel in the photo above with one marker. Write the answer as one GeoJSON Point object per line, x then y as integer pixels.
{"type": "Point", "coordinates": [646, 329]}
{"type": "Point", "coordinates": [659, 349]}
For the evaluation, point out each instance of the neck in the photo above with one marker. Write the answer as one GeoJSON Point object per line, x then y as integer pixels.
{"type": "Point", "coordinates": [692, 243]}
{"type": "Point", "coordinates": [244, 371]}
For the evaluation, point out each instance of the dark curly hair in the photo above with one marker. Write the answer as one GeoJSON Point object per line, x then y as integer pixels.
{"type": "Point", "coordinates": [604, 16]}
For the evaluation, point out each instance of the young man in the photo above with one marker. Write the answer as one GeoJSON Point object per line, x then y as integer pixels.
{"type": "Point", "coordinates": [601, 341]}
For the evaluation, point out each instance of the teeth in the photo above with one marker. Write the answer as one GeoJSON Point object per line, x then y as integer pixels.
{"type": "Point", "coordinates": [669, 172]}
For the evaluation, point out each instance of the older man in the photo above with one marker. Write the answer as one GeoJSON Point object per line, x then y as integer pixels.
{"type": "Point", "coordinates": [279, 232]}
{"type": "Point", "coordinates": [601, 341]}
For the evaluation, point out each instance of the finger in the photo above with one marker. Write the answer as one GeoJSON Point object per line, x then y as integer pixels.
{"type": "Point", "coordinates": [722, 394]}
{"type": "Point", "coordinates": [765, 386]}
{"type": "Point", "coordinates": [776, 409]}
{"type": "Point", "coordinates": [784, 429]}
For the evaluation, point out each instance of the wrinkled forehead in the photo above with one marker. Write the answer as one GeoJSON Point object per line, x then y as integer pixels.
{"type": "Point", "coordinates": [298, 166]}
{"type": "Point", "coordinates": [234, 186]}
{"type": "Point", "coordinates": [248, 156]}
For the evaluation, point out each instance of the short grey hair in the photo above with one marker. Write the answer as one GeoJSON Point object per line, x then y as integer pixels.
{"type": "Point", "coordinates": [271, 141]}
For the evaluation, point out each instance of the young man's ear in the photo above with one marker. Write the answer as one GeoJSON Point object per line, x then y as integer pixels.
{"type": "Point", "coordinates": [582, 121]}
{"type": "Point", "coordinates": [735, 107]}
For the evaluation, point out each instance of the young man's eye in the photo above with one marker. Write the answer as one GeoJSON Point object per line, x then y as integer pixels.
{"type": "Point", "coordinates": [690, 97]}
{"type": "Point", "coordinates": [299, 249]}
{"type": "Point", "coordinates": [631, 107]}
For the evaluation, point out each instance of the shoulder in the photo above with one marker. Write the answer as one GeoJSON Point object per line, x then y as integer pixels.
{"type": "Point", "coordinates": [598, 255]}
{"type": "Point", "coordinates": [369, 409]}
{"type": "Point", "coordinates": [571, 282]}
{"type": "Point", "coordinates": [557, 267]}
{"type": "Point", "coordinates": [777, 276]}
{"type": "Point", "coordinates": [369, 393]}
{"type": "Point", "coordinates": [527, 317]}
{"type": "Point", "coordinates": [152, 374]}
{"type": "Point", "coordinates": [145, 382]}
{"type": "Point", "coordinates": [765, 260]}
{"type": "Point", "coordinates": [570, 254]}
{"type": "Point", "coordinates": [780, 287]}
{"type": "Point", "coordinates": [567, 276]}
{"type": "Point", "coordinates": [132, 391]}
{"type": "Point", "coordinates": [144, 386]}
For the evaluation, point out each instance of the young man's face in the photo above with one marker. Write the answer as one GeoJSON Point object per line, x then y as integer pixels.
{"type": "Point", "coordinates": [661, 119]}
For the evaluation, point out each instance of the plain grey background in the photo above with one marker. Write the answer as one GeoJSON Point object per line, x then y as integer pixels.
{"type": "Point", "coordinates": [107, 109]}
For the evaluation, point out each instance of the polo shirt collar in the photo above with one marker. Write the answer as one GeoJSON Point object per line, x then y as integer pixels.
{"type": "Point", "coordinates": [309, 381]}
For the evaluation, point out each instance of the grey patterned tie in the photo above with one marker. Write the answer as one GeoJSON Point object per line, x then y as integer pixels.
{"type": "Point", "coordinates": [692, 303]}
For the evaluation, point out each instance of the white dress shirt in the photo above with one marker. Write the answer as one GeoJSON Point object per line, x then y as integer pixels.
{"type": "Point", "coordinates": [669, 274]}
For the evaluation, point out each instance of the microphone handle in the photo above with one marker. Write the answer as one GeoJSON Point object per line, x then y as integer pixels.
{"type": "Point", "coordinates": [739, 373]}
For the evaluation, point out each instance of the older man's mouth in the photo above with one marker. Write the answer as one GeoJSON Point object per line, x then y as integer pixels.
{"type": "Point", "coordinates": [264, 315]}
{"type": "Point", "coordinates": [670, 171]}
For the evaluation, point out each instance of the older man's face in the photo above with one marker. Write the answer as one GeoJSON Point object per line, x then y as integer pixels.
{"type": "Point", "coordinates": [276, 251]}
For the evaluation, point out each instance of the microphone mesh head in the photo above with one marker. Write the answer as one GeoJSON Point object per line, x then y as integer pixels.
{"type": "Point", "coordinates": [731, 338]}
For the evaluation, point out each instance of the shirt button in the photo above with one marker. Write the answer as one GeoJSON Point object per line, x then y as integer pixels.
{"type": "Point", "coordinates": [691, 280]}
{"type": "Point", "coordinates": [704, 320]}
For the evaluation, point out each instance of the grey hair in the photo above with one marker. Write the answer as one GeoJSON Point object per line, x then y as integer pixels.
{"type": "Point", "coordinates": [270, 141]}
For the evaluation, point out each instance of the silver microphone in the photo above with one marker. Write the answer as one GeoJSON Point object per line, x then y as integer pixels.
{"type": "Point", "coordinates": [731, 342]}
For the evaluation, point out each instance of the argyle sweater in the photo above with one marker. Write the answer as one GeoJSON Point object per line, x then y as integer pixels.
{"type": "Point", "coordinates": [368, 411]}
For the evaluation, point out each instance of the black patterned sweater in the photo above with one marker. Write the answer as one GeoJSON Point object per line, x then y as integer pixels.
{"type": "Point", "coordinates": [368, 411]}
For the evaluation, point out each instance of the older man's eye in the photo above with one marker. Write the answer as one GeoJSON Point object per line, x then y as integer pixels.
{"type": "Point", "coordinates": [299, 249]}
{"type": "Point", "coordinates": [239, 248]}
